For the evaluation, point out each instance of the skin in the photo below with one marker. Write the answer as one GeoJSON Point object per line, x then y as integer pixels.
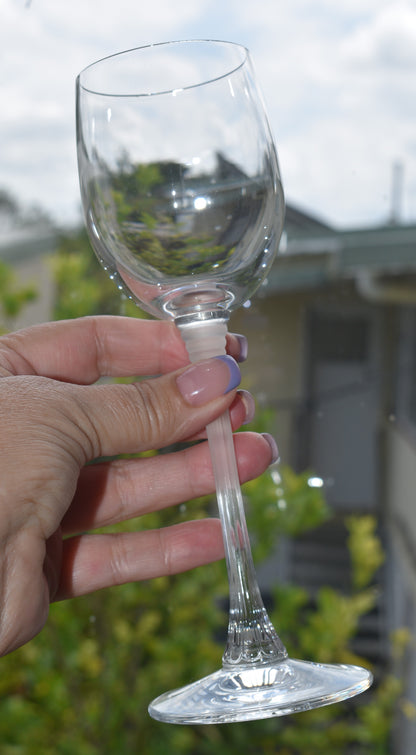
{"type": "Point", "coordinates": [54, 419]}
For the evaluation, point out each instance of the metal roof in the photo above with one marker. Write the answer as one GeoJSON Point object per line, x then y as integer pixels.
{"type": "Point", "coordinates": [311, 258]}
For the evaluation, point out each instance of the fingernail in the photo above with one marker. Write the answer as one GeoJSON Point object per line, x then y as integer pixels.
{"type": "Point", "coordinates": [273, 446]}
{"type": "Point", "coordinates": [243, 345]}
{"type": "Point", "coordinates": [249, 405]}
{"type": "Point", "coordinates": [207, 380]}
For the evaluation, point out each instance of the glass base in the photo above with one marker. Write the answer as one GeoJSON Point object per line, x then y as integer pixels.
{"type": "Point", "coordinates": [290, 686]}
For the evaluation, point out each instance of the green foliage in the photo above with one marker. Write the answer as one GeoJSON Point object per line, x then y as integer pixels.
{"type": "Point", "coordinates": [365, 548]}
{"type": "Point", "coordinates": [13, 297]}
{"type": "Point", "coordinates": [82, 287]}
{"type": "Point", "coordinates": [290, 506]}
{"type": "Point", "coordinates": [326, 633]}
{"type": "Point", "coordinates": [150, 225]}
{"type": "Point", "coordinates": [83, 685]}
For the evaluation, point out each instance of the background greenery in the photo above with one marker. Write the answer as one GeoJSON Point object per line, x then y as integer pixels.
{"type": "Point", "coordinates": [83, 685]}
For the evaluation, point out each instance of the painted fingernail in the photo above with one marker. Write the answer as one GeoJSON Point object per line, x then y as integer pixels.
{"type": "Point", "coordinates": [243, 346]}
{"type": "Point", "coordinates": [273, 446]}
{"type": "Point", "coordinates": [249, 405]}
{"type": "Point", "coordinates": [209, 379]}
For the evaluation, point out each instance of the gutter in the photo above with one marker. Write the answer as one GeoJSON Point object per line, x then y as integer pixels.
{"type": "Point", "coordinates": [372, 289]}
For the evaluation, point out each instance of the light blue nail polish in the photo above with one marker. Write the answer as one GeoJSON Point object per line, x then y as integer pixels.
{"type": "Point", "coordinates": [235, 374]}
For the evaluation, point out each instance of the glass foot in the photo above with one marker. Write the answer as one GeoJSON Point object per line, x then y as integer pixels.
{"type": "Point", "coordinates": [287, 687]}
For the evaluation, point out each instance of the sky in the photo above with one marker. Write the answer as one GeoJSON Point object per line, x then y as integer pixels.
{"type": "Point", "coordinates": [338, 78]}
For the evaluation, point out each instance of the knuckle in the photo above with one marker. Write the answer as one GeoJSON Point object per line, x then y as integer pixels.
{"type": "Point", "coordinates": [157, 418]}
{"type": "Point", "coordinates": [125, 487]}
{"type": "Point", "coordinates": [81, 426]}
{"type": "Point", "coordinates": [165, 553]}
{"type": "Point", "coordinates": [118, 558]}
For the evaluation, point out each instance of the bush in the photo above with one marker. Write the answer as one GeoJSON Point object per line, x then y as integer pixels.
{"type": "Point", "coordinates": [83, 685]}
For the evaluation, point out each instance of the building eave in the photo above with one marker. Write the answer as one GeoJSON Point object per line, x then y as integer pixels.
{"type": "Point", "coordinates": [311, 260]}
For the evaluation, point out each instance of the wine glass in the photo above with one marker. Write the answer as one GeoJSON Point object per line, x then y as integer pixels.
{"type": "Point", "coordinates": [184, 207]}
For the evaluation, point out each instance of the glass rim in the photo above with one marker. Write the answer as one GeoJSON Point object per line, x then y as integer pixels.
{"type": "Point", "coordinates": [106, 58]}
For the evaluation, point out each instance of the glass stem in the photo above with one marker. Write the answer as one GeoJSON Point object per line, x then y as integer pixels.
{"type": "Point", "coordinates": [252, 639]}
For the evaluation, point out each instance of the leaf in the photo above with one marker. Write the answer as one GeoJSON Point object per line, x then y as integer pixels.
{"type": "Point", "coordinates": [365, 548]}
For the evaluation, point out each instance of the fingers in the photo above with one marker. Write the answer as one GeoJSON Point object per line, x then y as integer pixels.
{"type": "Point", "coordinates": [120, 490]}
{"type": "Point", "coordinates": [116, 419]}
{"type": "Point", "coordinates": [82, 350]}
{"type": "Point", "coordinates": [91, 562]}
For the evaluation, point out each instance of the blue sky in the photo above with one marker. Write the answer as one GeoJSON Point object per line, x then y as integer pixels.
{"type": "Point", "coordinates": [339, 80]}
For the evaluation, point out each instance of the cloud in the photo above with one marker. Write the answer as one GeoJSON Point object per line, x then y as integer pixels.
{"type": "Point", "coordinates": [386, 42]}
{"type": "Point", "coordinates": [339, 86]}
{"type": "Point", "coordinates": [338, 78]}
{"type": "Point", "coordinates": [43, 48]}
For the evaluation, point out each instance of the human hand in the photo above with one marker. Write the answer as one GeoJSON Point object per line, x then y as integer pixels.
{"type": "Point", "coordinates": [54, 419]}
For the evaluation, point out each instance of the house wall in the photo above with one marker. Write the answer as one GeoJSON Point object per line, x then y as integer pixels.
{"type": "Point", "coordinates": [400, 459]}
{"type": "Point", "coordinates": [278, 370]}
{"type": "Point", "coordinates": [401, 496]}
{"type": "Point", "coordinates": [401, 613]}
{"type": "Point", "coordinates": [27, 249]}
{"type": "Point", "coordinates": [273, 371]}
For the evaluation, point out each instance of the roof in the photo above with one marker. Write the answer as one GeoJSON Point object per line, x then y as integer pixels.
{"type": "Point", "coordinates": [298, 221]}
{"type": "Point", "coordinates": [311, 256]}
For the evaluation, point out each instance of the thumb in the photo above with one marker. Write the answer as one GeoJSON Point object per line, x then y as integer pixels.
{"type": "Point", "coordinates": [158, 412]}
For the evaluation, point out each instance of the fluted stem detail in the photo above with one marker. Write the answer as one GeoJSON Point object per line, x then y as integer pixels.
{"type": "Point", "coordinates": [252, 639]}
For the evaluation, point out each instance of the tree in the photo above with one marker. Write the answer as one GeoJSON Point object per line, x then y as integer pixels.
{"type": "Point", "coordinates": [82, 287]}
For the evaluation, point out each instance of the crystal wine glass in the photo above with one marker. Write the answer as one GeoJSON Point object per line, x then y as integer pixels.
{"type": "Point", "coordinates": [184, 207]}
